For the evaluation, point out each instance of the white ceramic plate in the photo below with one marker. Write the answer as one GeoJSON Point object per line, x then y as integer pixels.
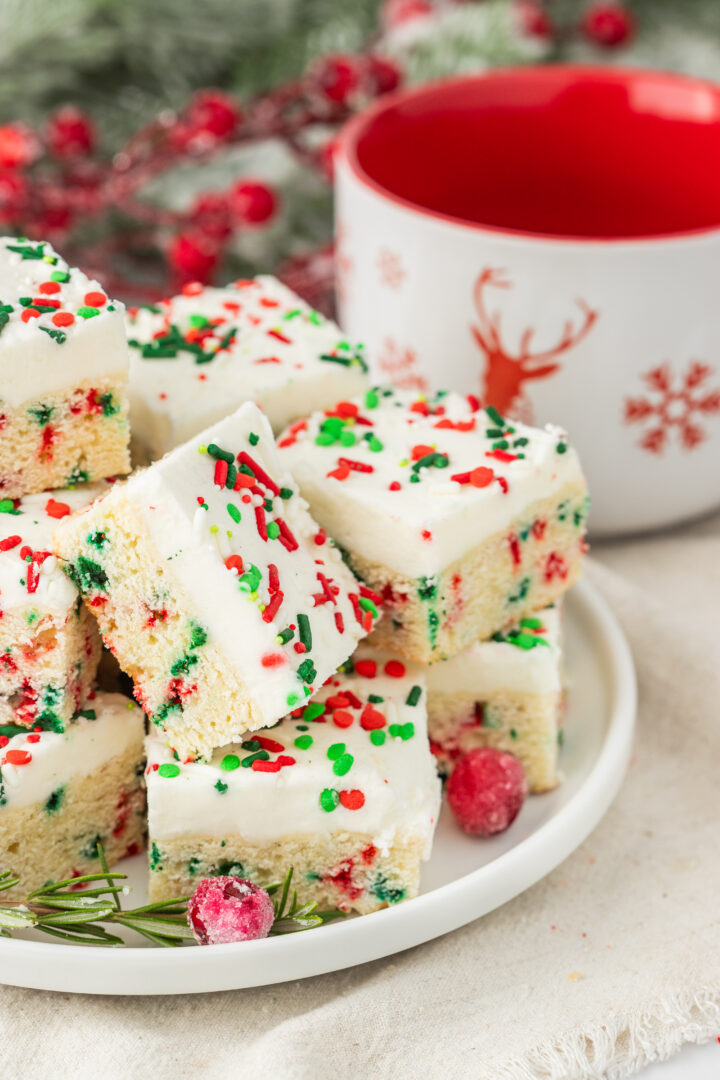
{"type": "Point", "coordinates": [465, 878]}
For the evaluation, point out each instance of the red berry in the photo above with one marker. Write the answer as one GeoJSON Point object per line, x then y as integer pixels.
{"type": "Point", "coordinates": [18, 146]}
{"type": "Point", "coordinates": [382, 75]}
{"type": "Point", "coordinates": [13, 195]}
{"type": "Point", "coordinates": [336, 77]}
{"type": "Point", "coordinates": [211, 213]}
{"type": "Point", "coordinates": [193, 256]}
{"type": "Point", "coordinates": [227, 909]}
{"type": "Point", "coordinates": [608, 24]}
{"type": "Point", "coordinates": [399, 12]}
{"type": "Point", "coordinates": [253, 202]}
{"type": "Point", "coordinates": [70, 133]}
{"type": "Point", "coordinates": [486, 791]}
{"type": "Point", "coordinates": [213, 113]}
{"type": "Point", "coordinates": [534, 19]}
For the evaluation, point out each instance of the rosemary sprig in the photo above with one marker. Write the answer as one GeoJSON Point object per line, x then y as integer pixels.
{"type": "Point", "coordinates": [59, 910]}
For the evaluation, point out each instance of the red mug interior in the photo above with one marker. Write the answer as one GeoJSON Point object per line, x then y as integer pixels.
{"type": "Point", "coordinates": [562, 151]}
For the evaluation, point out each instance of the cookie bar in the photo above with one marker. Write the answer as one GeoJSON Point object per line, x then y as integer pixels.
{"type": "Point", "coordinates": [61, 792]}
{"type": "Point", "coordinates": [506, 693]}
{"type": "Point", "coordinates": [198, 356]}
{"type": "Point", "coordinates": [462, 521]}
{"type": "Point", "coordinates": [213, 586]}
{"type": "Point", "coordinates": [49, 643]}
{"type": "Point", "coordinates": [63, 373]}
{"type": "Point", "coordinates": [344, 791]}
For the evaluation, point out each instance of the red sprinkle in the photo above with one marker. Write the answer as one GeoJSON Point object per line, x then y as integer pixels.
{"type": "Point", "coordinates": [352, 799]}
{"type": "Point", "coordinates": [395, 669]}
{"type": "Point", "coordinates": [426, 534]}
{"type": "Point", "coordinates": [320, 537]}
{"type": "Point", "coordinates": [514, 549]}
{"type": "Point", "coordinates": [355, 466]}
{"type": "Point", "coordinates": [273, 659]}
{"type": "Point", "coordinates": [272, 745]}
{"type": "Point", "coordinates": [285, 759]}
{"type": "Point", "coordinates": [339, 622]}
{"type": "Point", "coordinates": [266, 766]}
{"type": "Point", "coordinates": [273, 578]}
{"type": "Point", "coordinates": [371, 719]}
{"type": "Point", "coordinates": [481, 477]}
{"type": "Point", "coordinates": [234, 562]}
{"type": "Point", "coordinates": [221, 471]}
{"type": "Point", "coordinates": [95, 299]}
{"type": "Point", "coordinates": [49, 288]}
{"type": "Point", "coordinates": [341, 473]}
{"type": "Point", "coordinates": [10, 542]}
{"type": "Point", "coordinates": [260, 474]}
{"type": "Point", "coordinates": [259, 520]}
{"type": "Point", "coordinates": [366, 668]}
{"type": "Point", "coordinates": [56, 509]}
{"type": "Point", "coordinates": [395, 486]}
{"type": "Point", "coordinates": [272, 608]}
{"type": "Point", "coordinates": [63, 318]}
{"type": "Point", "coordinates": [18, 757]}
{"type": "Point", "coordinates": [30, 313]}
{"type": "Point", "coordinates": [342, 718]}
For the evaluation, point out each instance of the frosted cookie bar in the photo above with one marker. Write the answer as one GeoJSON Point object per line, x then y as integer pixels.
{"type": "Point", "coordinates": [63, 373]}
{"type": "Point", "coordinates": [216, 590]}
{"type": "Point", "coordinates": [461, 520]}
{"type": "Point", "coordinates": [506, 693]}
{"type": "Point", "coordinates": [344, 791]}
{"type": "Point", "coordinates": [198, 356]}
{"type": "Point", "coordinates": [61, 792]}
{"type": "Point", "coordinates": [49, 643]}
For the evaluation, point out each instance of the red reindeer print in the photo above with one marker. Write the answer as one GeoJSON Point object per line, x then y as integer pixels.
{"type": "Point", "coordinates": [400, 365]}
{"type": "Point", "coordinates": [673, 402]}
{"type": "Point", "coordinates": [507, 372]}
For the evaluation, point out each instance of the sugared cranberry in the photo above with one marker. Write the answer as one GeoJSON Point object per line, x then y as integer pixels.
{"type": "Point", "coordinates": [227, 909]}
{"type": "Point", "coordinates": [486, 791]}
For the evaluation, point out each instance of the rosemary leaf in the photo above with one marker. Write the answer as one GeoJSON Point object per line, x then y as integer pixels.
{"type": "Point", "coordinates": [155, 926]}
{"type": "Point", "coordinates": [80, 939]}
{"type": "Point", "coordinates": [53, 886]}
{"type": "Point", "coordinates": [67, 918]}
{"type": "Point", "coordinates": [18, 918]}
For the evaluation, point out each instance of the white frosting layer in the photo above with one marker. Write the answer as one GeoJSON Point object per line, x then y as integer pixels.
{"type": "Point", "coordinates": [254, 340]}
{"type": "Point", "coordinates": [195, 541]}
{"type": "Point", "coordinates": [491, 667]}
{"type": "Point", "coordinates": [45, 590]}
{"type": "Point", "coordinates": [419, 528]}
{"type": "Point", "coordinates": [61, 347]}
{"type": "Point", "coordinates": [54, 759]}
{"type": "Point", "coordinates": [397, 779]}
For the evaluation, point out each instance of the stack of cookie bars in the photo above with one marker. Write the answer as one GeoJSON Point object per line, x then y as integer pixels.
{"type": "Point", "coordinates": [312, 625]}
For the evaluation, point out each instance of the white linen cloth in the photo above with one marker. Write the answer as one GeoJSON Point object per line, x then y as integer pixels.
{"type": "Point", "coordinates": [609, 963]}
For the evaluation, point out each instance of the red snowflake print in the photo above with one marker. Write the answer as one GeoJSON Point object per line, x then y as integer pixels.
{"type": "Point", "coordinates": [400, 366]}
{"type": "Point", "coordinates": [343, 262]}
{"type": "Point", "coordinates": [674, 401]}
{"type": "Point", "coordinates": [392, 272]}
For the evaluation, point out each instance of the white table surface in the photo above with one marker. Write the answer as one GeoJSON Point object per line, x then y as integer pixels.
{"type": "Point", "coordinates": [692, 1063]}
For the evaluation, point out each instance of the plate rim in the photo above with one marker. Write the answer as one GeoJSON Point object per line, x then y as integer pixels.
{"type": "Point", "coordinates": [95, 970]}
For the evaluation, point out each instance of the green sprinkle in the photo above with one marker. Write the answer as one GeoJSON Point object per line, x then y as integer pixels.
{"type": "Point", "coordinates": [169, 769]}
{"type": "Point", "coordinates": [88, 312]}
{"type": "Point", "coordinates": [347, 437]}
{"type": "Point", "coordinates": [375, 699]}
{"type": "Point", "coordinates": [89, 714]}
{"type": "Point", "coordinates": [7, 506]}
{"type": "Point", "coordinates": [273, 530]}
{"type": "Point", "coordinates": [253, 439]}
{"type": "Point", "coordinates": [55, 800]}
{"type": "Point", "coordinates": [513, 733]}
{"type": "Point", "coordinates": [495, 416]}
{"type": "Point", "coordinates": [374, 444]}
{"type": "Point", "coordinates": [219, 454]}
{"type": "Point", "coordinates": [292, 699]}
{"type": "Point", "coordinates": [230, 762]}
{"type": "Point", "coordinates": [343, 764]}
{"type": "Point", "coordinates": [371, 400]}
{"type": "Point", "coordinates": [307, 671]}
{"type": "Point", "coordinates": [532, 624]}
{"type": "Point", "coordinates": [286, 493]}
{"type": "Point", "coordinates": [304, 631]}
{"type": "Point", "coordinates": [561, 447]}
{"type": "Point", "coordinates": [261, 755]}
{"type": "Point", "coordinates": [231, 477]}
{"type": "Point", "coordinates": [367, 605]}
{"type": "Point", "coordinates": [414, 696]}
{"type": "Point", "coordinates": [304, 742]}
{"type": "Point", "coordinates": [377, 737]}
{"type": "Point", "coordinates": [251, 744]}
{"type": "Point", "coordinates": [336, 751]}
{"type": "Point", "coordinates": [284, 636]}
{"type": "Point", "coordinates": [329, 798]}
{"type": "Point", "coordinates": [221, 786]}
{"type": "Point", "coordinates": [313, 710]}
{"type": "Point", "coordinates": [234, 513]}
{"type": "Point", "coordinates": [59, 275]}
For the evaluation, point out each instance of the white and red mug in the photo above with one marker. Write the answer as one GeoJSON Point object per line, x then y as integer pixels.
{"type": "Point", "coordinates": [549, 240]}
